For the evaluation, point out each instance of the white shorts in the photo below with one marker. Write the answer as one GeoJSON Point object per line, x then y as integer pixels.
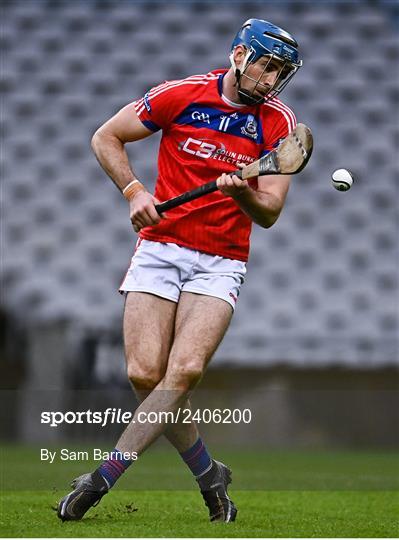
{"type": "Point", "coordinates": [167, 270]}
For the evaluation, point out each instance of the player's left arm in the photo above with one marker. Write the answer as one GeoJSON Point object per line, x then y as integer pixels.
{"type": "Point", "coordinates": [264, 204]}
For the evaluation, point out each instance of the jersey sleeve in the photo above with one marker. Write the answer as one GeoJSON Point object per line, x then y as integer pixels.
{"type": "Point", "coordinates": [160, 105]}
{"type": "Point", "coordinates": [284, 123]}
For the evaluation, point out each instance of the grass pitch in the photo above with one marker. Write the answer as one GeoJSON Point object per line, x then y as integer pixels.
{"type": "Point", "coordinates": [284, 494]}
{"type": "Point", "coordinates": [181, 514]}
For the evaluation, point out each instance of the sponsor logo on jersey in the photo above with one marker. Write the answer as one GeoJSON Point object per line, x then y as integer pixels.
{"type": "Point", "coordinates": [204, 149]}
{"type": "Point", "coordinates": [147, 102]}
{"type": "Point", "coordinates": [209, 148]}
{"type": "Point", "coordinates": [251, 127]}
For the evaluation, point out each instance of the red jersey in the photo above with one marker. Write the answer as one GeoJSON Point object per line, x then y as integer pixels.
{"type": "Point", "coordinates": [204, 135]}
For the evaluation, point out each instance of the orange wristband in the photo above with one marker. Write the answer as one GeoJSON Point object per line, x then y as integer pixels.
{"type": "Point", "coordinates": [132, 189]}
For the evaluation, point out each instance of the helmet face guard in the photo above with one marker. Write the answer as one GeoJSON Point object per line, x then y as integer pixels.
{"type": "Point", "coordinates": [263, 39]}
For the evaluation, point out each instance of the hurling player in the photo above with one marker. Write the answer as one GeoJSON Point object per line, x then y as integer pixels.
{"type": "Point", "coordinates": [188, 266]}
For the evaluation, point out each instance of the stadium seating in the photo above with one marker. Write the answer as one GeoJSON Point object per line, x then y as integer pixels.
{"type": "Point", "coordinates": [322, 283]}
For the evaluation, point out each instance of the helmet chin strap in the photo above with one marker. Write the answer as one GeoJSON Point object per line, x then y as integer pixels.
{"type": "Point", "coordinates": [247, 98]}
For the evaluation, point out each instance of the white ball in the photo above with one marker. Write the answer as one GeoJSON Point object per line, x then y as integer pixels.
{"type": "Point", "coordinates": [342, 179]}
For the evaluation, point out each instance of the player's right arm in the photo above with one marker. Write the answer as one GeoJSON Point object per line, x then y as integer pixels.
{"type": "Point", "coordinates": [108, 144]}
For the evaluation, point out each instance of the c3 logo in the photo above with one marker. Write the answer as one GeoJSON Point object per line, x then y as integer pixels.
{"type": "Point", "coordinates": [201, 149]}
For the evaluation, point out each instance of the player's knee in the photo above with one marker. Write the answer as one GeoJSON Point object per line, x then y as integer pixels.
{"type": "Point", "coordinates": [186, 375]}
{"type": "Point", "coordinates": [143, 378]}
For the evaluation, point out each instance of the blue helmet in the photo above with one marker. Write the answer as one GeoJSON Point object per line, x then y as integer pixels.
{"type": "Point", "coordinates": [262, 38]}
